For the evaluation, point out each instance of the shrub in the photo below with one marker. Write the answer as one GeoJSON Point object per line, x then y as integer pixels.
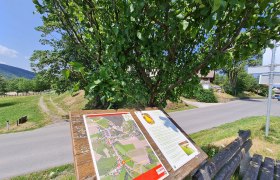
{"type": "Point", "coordinates": [211, 150]}
{"type": "Point", "coordinates": [205, 95]}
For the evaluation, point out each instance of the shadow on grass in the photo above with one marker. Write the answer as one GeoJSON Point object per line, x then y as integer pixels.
{"type": "Point", "coordinates": [7, 104]}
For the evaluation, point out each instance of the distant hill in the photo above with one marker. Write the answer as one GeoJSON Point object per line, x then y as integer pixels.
{"type": "Point", "coordinates": [14, 72]}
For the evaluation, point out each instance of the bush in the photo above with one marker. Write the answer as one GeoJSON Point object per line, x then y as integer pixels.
{"type": "Point", "coordinates": [211, 150]}
{"type": "Point", "coordinates": [205, 95]}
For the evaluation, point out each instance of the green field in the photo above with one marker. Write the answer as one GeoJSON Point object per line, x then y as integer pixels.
{"type": "Point", "coordinates": [266, 146]}
{"type": "Point", "coordinates": [106, 164]}
{"type": "Point", "coordinates": [123, 149]}
{"type": "Point", "coordinates": [12, 108]}
{"type": "Point", "coordinates": [102, 122]}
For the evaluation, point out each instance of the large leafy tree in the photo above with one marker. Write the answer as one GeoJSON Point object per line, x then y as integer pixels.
{"type": "Point", "coordinates": [236, 65]}
{"type": "Point", "coordinates": [145, 52]}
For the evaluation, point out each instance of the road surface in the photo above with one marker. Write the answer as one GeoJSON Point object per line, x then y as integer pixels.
{"type": "Point", "coordinates": [39, 149]}
{"type": "Point", "coordinates": [195, 120]}
{"type": "Point", "coordinates": [35, 150]}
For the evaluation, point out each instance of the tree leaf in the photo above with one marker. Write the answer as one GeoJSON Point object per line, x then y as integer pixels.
{"type": "Point", "coordinates": [131, 8]}
{"type": "Point", "coordinates": [66, 73]}
{"type": "Point", "coordinates": [185, 24]}
{"type": "Point", "coordinates": [98, 81]}
{"type": "Point", "coordinates": [180, 16]}
{"type": "Point", "coordinates": [217, 5]}
{"type": "Point", "coordinates": [139, 35]}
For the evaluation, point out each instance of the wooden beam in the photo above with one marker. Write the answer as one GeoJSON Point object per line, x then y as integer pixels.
{"type": "Point", "coordinates": [228, 170]}
{"type": "Point", "coordinates": [267, 169]}
{"type": "Point", "coordinates": [213, 166]}
{"type": "Point", "coordinates": [277, 172]}
{"type": "Point", "coordinates": [253, 169]}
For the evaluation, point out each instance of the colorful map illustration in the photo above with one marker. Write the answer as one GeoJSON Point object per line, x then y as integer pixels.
{"type": "Point", "coordinates": [120, 150]}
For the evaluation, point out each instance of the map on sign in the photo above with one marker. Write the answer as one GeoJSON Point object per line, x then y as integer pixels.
{"type": "Point", "coordinates": [119, 148]}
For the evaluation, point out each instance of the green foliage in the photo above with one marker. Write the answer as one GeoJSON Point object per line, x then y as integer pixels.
{"type": "Point", "coordinates": [24, 85]}
{"type": "Point", "coordinates": [200, 94]}
{"type": "Point", "coordinates": [40, 83]}
{"type": "Point", "coordinates": [3, 85]}
{"type": "Point", "coordinates": [139, 53]}
{"type": "Point", "coordinates": [205, 95]}
{"type": "Point", "coordinates": [262, 90]}
{"type": "Point", "coordinates": [244, 82]}
{"type": "Point", "coordinates": [37, 84]}
{"type": "Point", "coordinates": [219, 79]}
{"type": "Point", "coordinates": [210, 150]}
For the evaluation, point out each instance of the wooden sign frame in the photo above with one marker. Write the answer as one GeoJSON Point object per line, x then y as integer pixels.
{"type": "Point", "coordinates": [83, 162]}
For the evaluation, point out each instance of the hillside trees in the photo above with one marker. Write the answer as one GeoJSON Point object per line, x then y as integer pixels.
{"type": "Point", "coordinates": [3, 85]}
{"type": "Point", "coordinates": [37, 84]}
{"type": "Point", "coordinates": [142, 53]}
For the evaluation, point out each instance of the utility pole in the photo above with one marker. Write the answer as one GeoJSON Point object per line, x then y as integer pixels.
{"type": "Point", "coordinates": [271, 77]}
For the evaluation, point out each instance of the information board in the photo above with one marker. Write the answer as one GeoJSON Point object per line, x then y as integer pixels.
{"type": "Point", "coordinates": [83, 138]}
{"type": "Point", "coordinates": [119, 149]}
{"type": "Point", "coordinates": [176, 148]}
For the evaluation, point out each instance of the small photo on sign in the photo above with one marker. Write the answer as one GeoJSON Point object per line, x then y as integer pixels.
{"type": "Point", "coordinates": [186, 147]}
{"type": "Point", "coordinates": [120, 150]}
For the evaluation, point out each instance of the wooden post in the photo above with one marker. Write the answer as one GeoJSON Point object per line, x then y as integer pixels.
{"type": "Point", "coordinates": [8, 125]}
{"type": "Point", "coordinates": [244, 164]}
{"type": "Point", "coordinates": [253, 168]}
{"type": "Point", "coordinates": [17, 122]}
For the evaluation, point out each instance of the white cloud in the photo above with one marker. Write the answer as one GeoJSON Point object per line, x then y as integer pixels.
{"type": "Point", "coordinates": [4, 51]}
{"type": "Point", "coordinates": [2, 62]}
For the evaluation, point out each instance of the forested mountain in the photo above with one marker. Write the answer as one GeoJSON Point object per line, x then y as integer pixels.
{"type": "Point", "coordinates": [14, 72]}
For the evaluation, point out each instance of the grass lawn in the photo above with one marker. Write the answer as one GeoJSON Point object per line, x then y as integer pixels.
{"type": "Point", "coordinates": [65, 172]}
{"type": "Point", "coordinates": [12, 108]}
{"type": "Point", "coordinates": [223, 97]}
{"type": "Point", "coordinates": [224, 134]}
{"type": "Point", "coordinates": [180, 106]}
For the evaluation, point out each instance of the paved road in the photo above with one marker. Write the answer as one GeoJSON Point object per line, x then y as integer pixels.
{"type": "Point", "coordinates": [35, 150]}
{"type": "Point", "coordinates": [207, 117]}
{"type": "Point", "coordinates": [25, 152]}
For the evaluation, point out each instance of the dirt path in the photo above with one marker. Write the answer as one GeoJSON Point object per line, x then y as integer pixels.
{"type": "Point", "coordinates": [46, 110]}
{"type": "Point", "coordinates": [59, 109]}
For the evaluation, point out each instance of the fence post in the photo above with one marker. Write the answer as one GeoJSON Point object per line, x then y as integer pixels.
{"type": "Point", "coordinates": [8, 125]}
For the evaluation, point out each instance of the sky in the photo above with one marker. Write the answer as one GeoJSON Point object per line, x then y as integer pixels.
{"type": "Point", "coordinates": [268, 54]}
{"type": "Point", "coordinates": [18, 37]}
